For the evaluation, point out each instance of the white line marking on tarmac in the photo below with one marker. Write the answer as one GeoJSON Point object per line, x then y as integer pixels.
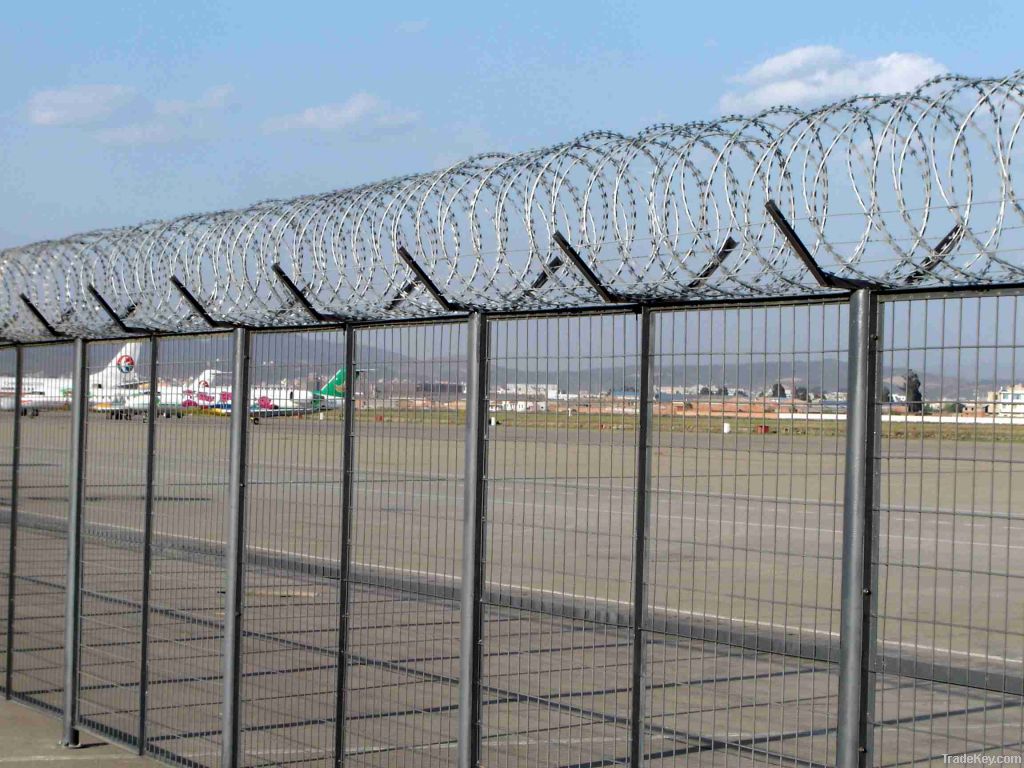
{"type": "Point", "coordinates": [937, 651]}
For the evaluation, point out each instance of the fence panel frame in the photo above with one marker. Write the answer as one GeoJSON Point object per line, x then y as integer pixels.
{"type": "Point", "coordinates": [12, 521]}
{"type": "Point", "coordinates": [856, 650]}
{"type": "Point", "coordinates": [345, 559]}
{"type": "Point", "coordinates": [152, 414]}
{"type": "Point", "coordinates": [76, 498]}
{"type": "Point", "coordinates": [859, 659]}
{"type": "Point", "coordinates": [235, 552]}
{"type": "Point", "coordinates": [642, 511]}
{"type": "Point", "coordinates": [471, 642]}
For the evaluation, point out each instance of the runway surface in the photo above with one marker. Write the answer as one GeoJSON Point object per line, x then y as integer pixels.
{"type": "Point", "coordinates": [742, 612]}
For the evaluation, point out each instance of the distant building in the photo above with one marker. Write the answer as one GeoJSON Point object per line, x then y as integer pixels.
{"type": "Point", "coordinates": [523, 406]}
{"type": "Point", "coordinates": [624, 394]}
{"type": "Point", "coordinates": [531, 389]}
{"type": "Point", "coordinates": [699, 390]}
{"type": "Point", "coordinates": [1007, 400]}
{"type": "Point", "coordinates": [440, 388]}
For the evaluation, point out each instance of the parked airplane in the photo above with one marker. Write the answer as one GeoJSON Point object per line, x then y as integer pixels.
{"type": "Point", "coordinates": [204, 392]}
{"type": "Point", "coordinates": [106, 388]}
{"type": "Point", "coordinates": [200, 393]}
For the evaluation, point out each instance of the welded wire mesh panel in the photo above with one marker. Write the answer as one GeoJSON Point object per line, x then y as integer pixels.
{"type": "Point", "coordinates": [403, 638]}
{"type": "Point", "coordinates": [40, 569]}
{"type": "Point", "coordinates": [291, 603]}
{"type": "Point", "coordinates": [113, 518]}
{"type": "Point", "coordinates": [744, 537]}
{"type": "Point", "coordinates": [950, 521]}
{"type": "Point", "coordinates": [560, 504]}
{"type": "Point", "coordinates": [7, 369]}
{"type": "Point", "coordinates": [190, 513]}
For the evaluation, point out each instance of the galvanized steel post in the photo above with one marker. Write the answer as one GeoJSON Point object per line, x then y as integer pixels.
{"type": "Point", "coordinates": [147, 534]}
{"type": "Point", "coordinates": [73, 587]}
{"type": "Point", "coordinates": [344, 601]}
{"type": "Point", "coordinates": [235, 549]}
{"type": "Point", "coordinates": [471, 644]}
{"type": "Point", "coordinates": [12, 534]}
{"type": "Point", "coordinates": [642, 516]}
{"type": "Point", "coordinates": [856, 647]}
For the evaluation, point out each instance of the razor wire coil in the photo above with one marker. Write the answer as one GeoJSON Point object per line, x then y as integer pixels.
{"type": "Point", "coordinates": [908, 190]}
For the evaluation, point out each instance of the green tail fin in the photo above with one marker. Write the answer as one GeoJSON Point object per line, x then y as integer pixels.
{"type": "Point", "coordinates": [336, 386]}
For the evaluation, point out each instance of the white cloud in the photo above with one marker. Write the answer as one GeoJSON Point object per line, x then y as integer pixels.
{"type": "Point", "coordinates": [412, 26]}
{"type": "Point", "coordinates": [161, 121]}
{"type": "Point", "coordinates": [401, 118]}
{"type": "Point", "coordinates": [816, 74]}
{"type": "Point", "coordinates": [213, 99]}
{"type": "Point", "coordinates": [791, 63]}
{"type": "Point", "coordinates": [140, 133]}
{"type": "Point", "coordinates": [77, 104]}
{"type": "Point", "coordinates": [357, 109]}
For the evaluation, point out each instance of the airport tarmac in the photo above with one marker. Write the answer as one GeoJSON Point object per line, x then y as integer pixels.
{"type": "Point", "coordinates": [743, 580]}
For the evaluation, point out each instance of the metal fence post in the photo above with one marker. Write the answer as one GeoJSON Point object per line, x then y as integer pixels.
{"type": "Point", "coordinates": [147, 534]}
{"type": "Point", "coordinates": [12, 539]}
{"type": "Point", "coordinates": [642, 512]}
{"type": "Point", "coordinates": [347, 463]}
{"type": "Point", "coordinates": [471, 642]}
{"type": "Point", "coordinates": [856, 649]}
{"type": "Point", "coordinates": [235, 549]}
{"type": "Point", "coordinates": [73, 591]}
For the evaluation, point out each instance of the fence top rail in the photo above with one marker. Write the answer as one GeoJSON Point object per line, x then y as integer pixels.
{"type": "Point", "coordinates": [909, 191]}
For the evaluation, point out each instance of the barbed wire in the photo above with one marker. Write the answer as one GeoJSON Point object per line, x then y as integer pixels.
{"type": "Point", "coordinates": [912, 189]}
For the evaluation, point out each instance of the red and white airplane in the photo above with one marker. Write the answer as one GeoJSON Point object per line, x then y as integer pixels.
{"type": "Point", "coordinates": [107, 387]}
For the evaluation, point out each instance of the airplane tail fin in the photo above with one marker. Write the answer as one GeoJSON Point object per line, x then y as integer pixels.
{"type": "Point", "coordinates": [336, 386]}
{"type": "Point", "coordinates": [205, 380]}
{"type": "Point", "coordinates": [121, 369]}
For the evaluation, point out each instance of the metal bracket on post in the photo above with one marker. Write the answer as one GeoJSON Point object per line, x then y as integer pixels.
{"type": "Point", "coordinates": [857, 652]}
{"type": "Point", "coordinates": [606, 294]}
{"type": "Point", "coordinates": [642, 517]}
{"type": "Point", "coordinates": [300, 298]}
{"type": "Point", "coordinates": [147, 534]}
{"type": "Point", "coordinates": [109, 311]}
{"type": "Point", "coordinates": [943, 249]}
{"type": "Point", "coordinates": [12, 534]}
{"type": "Point", "coordinates": [400, 296]}
{"type": "Point", "coordinates": [471, 639]}
{"type": "Point", "coordinates": [553, 265]}
{"type": "Point", "coordinates": [347, 478]}
{"type": "Point", "coordinates": [198, 308]}
{"type": "Point", "coordinates": [823, 278]}
{"type": "Point", "coordinates": [73, 588]}
{"type": "Point", "coordinates": [235, 550]}
{"type": "Point", "coordinates": [424, 279]}
{"type": "Point", "coordinates": [41, 317]}
{"type": "Point", "coordinates": [712, 266]}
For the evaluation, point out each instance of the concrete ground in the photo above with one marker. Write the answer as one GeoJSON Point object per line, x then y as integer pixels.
{"type": "Point", "coordinates": [29, 738]}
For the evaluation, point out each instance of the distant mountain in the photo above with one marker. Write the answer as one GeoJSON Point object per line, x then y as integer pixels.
{"type": "Point", "coordinates": [313, 356]}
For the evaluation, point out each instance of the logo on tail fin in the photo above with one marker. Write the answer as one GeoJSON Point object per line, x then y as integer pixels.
{"type": "Point", "coordinates": [336, 386]}
{"type": "Point", "coordinates": [125, 364]}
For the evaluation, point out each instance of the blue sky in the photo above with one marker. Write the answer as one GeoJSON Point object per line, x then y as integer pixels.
{"type": "Point", "coordinates": [113, 113]}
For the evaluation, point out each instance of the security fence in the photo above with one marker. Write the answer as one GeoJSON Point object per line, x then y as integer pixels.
{"type": "Point", "coordinates": [607, 538]}
{"type": "Point", "coordinates": [697, 446]}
